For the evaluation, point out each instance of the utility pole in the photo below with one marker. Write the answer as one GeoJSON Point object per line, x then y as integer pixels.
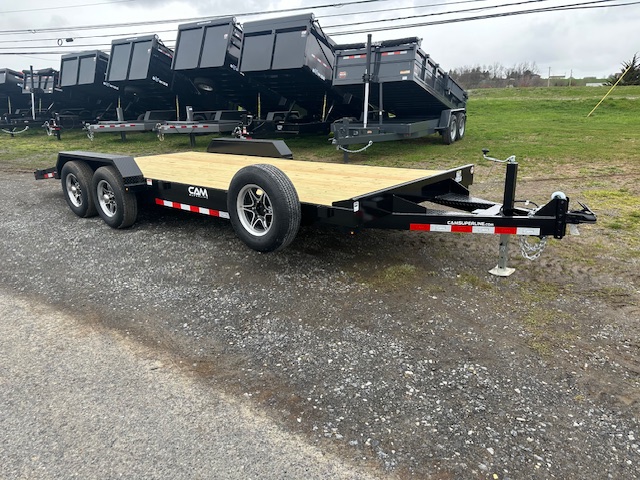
{"type": "Point", "coordinates": [549, 78]}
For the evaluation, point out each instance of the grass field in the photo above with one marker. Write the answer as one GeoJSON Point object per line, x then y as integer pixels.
{"type": "Point", "coordinates": [596, 159]}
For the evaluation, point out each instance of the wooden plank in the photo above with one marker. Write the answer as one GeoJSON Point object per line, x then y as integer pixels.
{"type": "Point", "coordinates": [316, 182]}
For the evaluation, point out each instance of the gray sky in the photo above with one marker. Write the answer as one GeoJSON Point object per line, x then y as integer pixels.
{"type": "Point", "coordinates": [590, 42]}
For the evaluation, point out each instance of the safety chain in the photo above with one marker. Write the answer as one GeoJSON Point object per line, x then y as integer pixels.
{"type": "Point", "coordinates": [90, 133]}
{"type": "Point", "coordinates": [13, 132]}
{"type": "Point", "coordinates": [356, 151]}
{"type": "Point", "coordinates": [49, 128]}
{"type": "Point", "coordinates": [532, 251]}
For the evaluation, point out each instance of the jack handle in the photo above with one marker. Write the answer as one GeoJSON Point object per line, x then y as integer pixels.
{"type": "Point", "coordinates": [511, 159]}
{"type": "Point", "coordinates": [581, 216]}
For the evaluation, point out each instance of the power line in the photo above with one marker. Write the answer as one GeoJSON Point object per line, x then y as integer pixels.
{"type": "Point", "coordinates": [384, 10]}
{"type": "Point", "coordinates": [577, 6]}
{"type": "Point", "coordinates": [66, 6]}
{"type": "Point", "coordinates": [466, 10]}
{"type": "Point", "coordinates": [182, 20]}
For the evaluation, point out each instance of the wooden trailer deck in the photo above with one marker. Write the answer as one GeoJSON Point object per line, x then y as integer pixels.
{"type": "Point", "coordinates": [317, 183]}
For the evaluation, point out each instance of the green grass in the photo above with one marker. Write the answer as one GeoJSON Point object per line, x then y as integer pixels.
{"type": "Point", "coordinates": [546, 128]}
{"type": "Point", "coordinates": [597, 157]}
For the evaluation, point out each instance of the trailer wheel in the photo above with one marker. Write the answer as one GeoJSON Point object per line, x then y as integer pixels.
{"type": "Point", "coordinates": [450, 134]}
{"type": "Point", "coordinates": [117, 207]}
{"type": "Point", "coordinates": [264, 208]}
{"type": "Point", "coordinates": [76, 185]}
{"type": "Point", "coordinates": [462, 125]}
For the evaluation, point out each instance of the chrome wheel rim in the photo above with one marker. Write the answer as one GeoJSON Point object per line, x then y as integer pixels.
{"type": "Point", "coordinates": [73, 190]}
{"type": "Point", "coordinates": [255, 210]}
{"type": "Point", "coordinates": [453, 130]}
{"type": "Point", "coordinates": [106, 198]}
{"type": "Point", "coordinates": [461, 126]}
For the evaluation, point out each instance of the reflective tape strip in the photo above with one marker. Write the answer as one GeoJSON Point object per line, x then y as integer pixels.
{"type": "Point", "coordinates": [49, 175]}
{"type": "Point", "coordinates": [191, 208]}
{"type": "Point", "coordinates": [385, 54]}
{"type": "Point", "coordinates": [434, 227]}
{"type": "Point", "coordinates": [175, 127]}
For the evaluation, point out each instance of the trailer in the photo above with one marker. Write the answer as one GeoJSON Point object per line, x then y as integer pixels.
{"type": "Point", "coordinates": [11, 98]}
{"type": "Point", "coordinates": [141, 68]}
{"type": "Point", "coordinates": [83, 80]}
{"type": "Point", "coordinates": [267, 197]}
{"type": "Point", "coordinates": [208, 53]}
{"type": "Point", "coordinates": [409, 94]}
{"type": "Point", "coordinates": [294, 57]}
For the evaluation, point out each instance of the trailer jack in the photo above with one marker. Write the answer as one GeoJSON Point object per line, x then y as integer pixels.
{"type": "Point", "coordinates": [529, 251]}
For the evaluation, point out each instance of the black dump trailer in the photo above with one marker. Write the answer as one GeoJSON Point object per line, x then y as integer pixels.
{"type": "Point", "coordinates": [267, 195]}
{"type": "Point", "coordinates": [208, 52]}
{"type": "Point", "coordinates": [294, 57]}
{"type": "Point", "coordinates": [88, 96]}
{"type": "Point", "coordinates": [141, 68]}
{"type": "Point", "coordinates": [12, 101]}
{"type": "Point", "coordinates": [41, 88]}
{"type": "Point", "coordinates": [409, 94]}
{"type": "Point", "coordinates": [83, 75]}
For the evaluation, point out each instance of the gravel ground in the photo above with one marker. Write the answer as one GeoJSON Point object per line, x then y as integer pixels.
{"type": "Point", "coordinates": [396, 350]}
{"type": "Point", "coordinates": [84, 402]}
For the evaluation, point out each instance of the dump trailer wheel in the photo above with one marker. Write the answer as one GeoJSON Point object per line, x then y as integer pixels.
{"type": "Point", "coordinates": [264, 208]}
{"type": "Point", "coordinates": [462, 125]}
{"type": "Point", "coordinates": [76, 186]}
{"type": "Point", "coordinates": [450, 134]}
{"type": "Point", "coordinates": [117, 207]}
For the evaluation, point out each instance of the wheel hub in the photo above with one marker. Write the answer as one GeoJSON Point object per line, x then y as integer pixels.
{"type": "Point", "coordinates": [255, 210]}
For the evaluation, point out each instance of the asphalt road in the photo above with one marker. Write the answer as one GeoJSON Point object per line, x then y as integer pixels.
{"type": "Point", "coordinates": [86, 402]}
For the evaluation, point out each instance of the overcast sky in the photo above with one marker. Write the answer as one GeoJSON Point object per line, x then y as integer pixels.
{"type": "Point", "coordinates": [589, 42]}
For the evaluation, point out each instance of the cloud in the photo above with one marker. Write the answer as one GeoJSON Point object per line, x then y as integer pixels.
{"type": "Point", "coordinates": [591, 42]}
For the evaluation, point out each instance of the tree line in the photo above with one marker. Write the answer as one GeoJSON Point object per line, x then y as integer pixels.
{"type": "Point", "coordinates": [527, 74]}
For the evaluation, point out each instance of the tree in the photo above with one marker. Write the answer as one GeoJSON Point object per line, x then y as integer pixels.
{"type": "Point", "coordinates": [632, 77]}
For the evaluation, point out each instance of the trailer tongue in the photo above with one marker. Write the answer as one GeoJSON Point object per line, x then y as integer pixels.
{"type": "Point", "coordinates": [267, 197]}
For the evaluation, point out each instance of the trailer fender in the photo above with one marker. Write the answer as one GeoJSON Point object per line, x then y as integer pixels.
{"type": "Point", "coordinates": [125, 166]}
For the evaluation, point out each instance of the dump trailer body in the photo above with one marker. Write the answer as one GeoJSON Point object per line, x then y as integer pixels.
{"type": "Point", "coordinates": [86, 72]}
{"type": "Point", "coordinates": [83, 82]}
{"type": "Point", "coordinates": [141, 67]}
{"type": "Point", "coordinates": [293, 56]}
{"type": "Point", "coordinates": [409, 94]}
{"type": "Point", "coordinates": [49, 97]}
{"type": "Point", "coordinates": [11, 98]}
{"type": "Point", "coordinates": [208, 53]}
{"type": "Point", "coordinates": [413, 85]}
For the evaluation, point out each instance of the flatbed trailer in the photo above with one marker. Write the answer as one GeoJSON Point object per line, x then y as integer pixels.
{"type": "Point", "coordinates": [267, 198]}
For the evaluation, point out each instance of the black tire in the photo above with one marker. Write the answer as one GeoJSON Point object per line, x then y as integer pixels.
{"type": "Point", "coordinates": [264, 208]}
{"type": "Point", "coordinates": [76, 186]}
{"type": "Point", "coordinates": [116, 206]}
{"type": "Point", "coordinates": [450, 134]}
{"type": "Point", "coordinates": [462, 125]}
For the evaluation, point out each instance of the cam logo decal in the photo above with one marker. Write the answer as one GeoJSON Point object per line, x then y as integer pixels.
{"type": "Point", "coordinates": [198, 192]}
